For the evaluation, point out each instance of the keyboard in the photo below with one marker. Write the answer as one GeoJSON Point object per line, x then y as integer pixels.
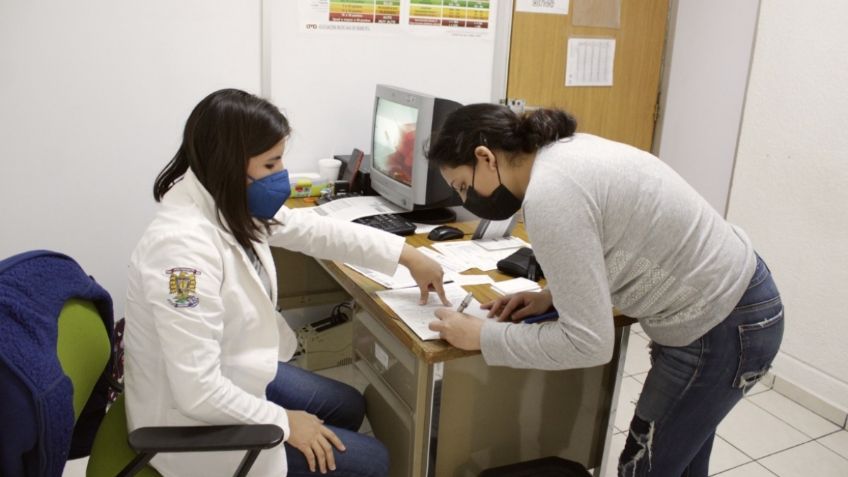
{"type": "Point", "coordinates": [392, 223]}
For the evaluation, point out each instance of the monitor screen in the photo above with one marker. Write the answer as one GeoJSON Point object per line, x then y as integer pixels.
{"type": "Point", "coordinates": [394, 140]}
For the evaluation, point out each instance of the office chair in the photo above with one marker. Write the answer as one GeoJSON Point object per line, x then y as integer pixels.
{"type": "Point", "coordinates": [83, 349]}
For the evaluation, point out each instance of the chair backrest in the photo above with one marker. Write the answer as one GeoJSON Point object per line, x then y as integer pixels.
{"type": "Point", "coordinates": [83, 348]}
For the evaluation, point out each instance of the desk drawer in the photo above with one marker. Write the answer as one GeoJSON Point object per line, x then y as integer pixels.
{"type": "Point", "coordinates": [386, 356]}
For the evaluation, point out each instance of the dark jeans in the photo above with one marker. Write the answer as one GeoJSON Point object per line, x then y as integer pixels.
{"type": "Point", "coordinates": [342, 409]}
{"type": "Point", "coordinates": [690, 389]}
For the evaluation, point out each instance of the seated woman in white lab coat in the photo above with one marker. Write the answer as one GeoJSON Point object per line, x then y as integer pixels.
{"type": "Point", "coordinates": [204, 342]}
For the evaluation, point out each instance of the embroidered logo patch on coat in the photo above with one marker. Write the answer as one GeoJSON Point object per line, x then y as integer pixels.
{"type": "Point", "coordinates": [182, 286]}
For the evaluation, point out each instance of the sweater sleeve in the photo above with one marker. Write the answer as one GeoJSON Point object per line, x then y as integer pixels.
{"type": "Point", "coordinates": [566, 238]}
{"type": "Point", "coordinates": [191, 335]}
{"type": "Point", "coordinates": [332, 239]}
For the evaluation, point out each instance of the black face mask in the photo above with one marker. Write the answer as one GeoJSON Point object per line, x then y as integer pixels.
{"type": "Point", "coordinates": [501, 205]}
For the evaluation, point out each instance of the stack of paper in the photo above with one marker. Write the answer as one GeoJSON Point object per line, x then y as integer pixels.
{"type": "Point", "coordinates": [470, 253]}
{"type": "Point", "coordinates": [417, 317]}
{"type": "Point", "coordinates": [501, 243]}
{"type": "Point", "coordinates": [515, 285]}
{"type": "Point", "coordinates": [450, 264]}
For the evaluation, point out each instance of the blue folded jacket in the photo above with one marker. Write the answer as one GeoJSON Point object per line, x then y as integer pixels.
{"type": "Point", "coordinates": [36, 410]}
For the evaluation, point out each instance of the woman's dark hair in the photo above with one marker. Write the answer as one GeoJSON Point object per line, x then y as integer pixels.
{"type": "Point", "coordinates": [498, 128]}
{"type": "Point", "coordinates": [223, 132]}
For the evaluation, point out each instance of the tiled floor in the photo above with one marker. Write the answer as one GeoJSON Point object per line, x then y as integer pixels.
{"type": "Point", "coordinates": [765, 435]}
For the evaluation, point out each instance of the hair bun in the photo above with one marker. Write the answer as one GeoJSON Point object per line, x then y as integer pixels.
{"type": "Point", "coordinates": [541, 127]}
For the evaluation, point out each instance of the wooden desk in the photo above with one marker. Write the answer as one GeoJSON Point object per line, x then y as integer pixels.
{"type": "Point", "coordinates": [442, 411]}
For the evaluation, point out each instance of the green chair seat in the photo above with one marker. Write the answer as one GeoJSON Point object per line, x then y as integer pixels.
{"type": "Point", "coordinates": [83, 348]}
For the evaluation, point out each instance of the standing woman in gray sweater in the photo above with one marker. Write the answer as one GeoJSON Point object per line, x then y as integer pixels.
{"type": "Point", "coordinates": [613, 226]}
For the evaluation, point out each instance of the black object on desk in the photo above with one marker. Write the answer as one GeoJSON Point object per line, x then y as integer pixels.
{"type": "Point", "coordinates": [445, 232]}
{"type": "Point", "coordinates": [522, 263]}
{"type": "Point", "coordinates": [392, 223]}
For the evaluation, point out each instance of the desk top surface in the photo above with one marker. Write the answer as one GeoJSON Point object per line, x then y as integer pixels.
{"type": "Point", "coordinates": [363, 290]}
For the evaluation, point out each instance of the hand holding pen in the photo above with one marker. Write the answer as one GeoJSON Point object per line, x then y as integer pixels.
{"type": "Point", "coordinates": [456, 328]}
{"type": "Point", "coordinates": [464, 303]}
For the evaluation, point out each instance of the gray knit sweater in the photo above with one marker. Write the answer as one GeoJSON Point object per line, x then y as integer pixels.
{"type": "Point", "coordinates": [613, 226]}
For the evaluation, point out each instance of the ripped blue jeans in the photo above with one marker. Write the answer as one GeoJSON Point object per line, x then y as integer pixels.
{"type": "Point", "coordinates": [690, 389]}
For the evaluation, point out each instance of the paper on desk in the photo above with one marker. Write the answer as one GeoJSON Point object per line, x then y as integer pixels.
{"type": "Point", "coordinates": [404, 302]}
{"type": "Point", "coordinates": [401, 278]}
{"type": "Point", "coordinates": [515, 285]}
{"type": "Point", "coordinates": [352, 208]}
{"type": "Point", "coordinates": [450, 264]}
{"type": "Point", "coordinates": [502, 243]}
{"type": "Point", "coordinates": [424, 228]}
{"type": "Point", "coordinates": [472, 254]}
{"type": "Point", "coordinates": [472, 279]}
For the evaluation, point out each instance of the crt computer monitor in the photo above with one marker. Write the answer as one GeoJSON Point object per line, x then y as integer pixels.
{"type": "Point", "coordinates": [403, 122]}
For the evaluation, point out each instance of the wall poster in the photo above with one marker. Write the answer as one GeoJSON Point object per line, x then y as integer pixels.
{"type": "Point", "coordinates": [474, 18]}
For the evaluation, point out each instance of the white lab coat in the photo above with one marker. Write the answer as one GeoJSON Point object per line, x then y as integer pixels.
{"type": "Point", "coordinates": [203, 336]}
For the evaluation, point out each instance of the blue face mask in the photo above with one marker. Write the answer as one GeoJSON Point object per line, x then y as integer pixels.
{"type": "Point", "coordinates": [265, 196]}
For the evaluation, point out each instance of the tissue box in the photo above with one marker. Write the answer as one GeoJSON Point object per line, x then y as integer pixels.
{"type": "Point", "coordinates": [307, 184]}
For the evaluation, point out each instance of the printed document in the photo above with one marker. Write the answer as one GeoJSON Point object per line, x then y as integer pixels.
{"type": "Point", "coordinates": [472, 254]}
{"type": "Point", "coordinates": [401, 278]}
{"type": "Point", "coordinates": [417, 317]}
{"type": "Point", "coordinates": [352, 208]}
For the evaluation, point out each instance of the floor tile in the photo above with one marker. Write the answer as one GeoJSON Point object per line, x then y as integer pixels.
{"type": "Point", "coordinates": [627, 397]}
{"type": "Point", "coordinates": [748, 470]}
{"type": "Point", "coordinates": [638, 358]}
{"type": "Point", "coordinates": [725, 456]}
{"type": "Point", "coordinates": [794, 414]}
{"type": "Point", "coordinates": [758, 388]}
{"type": "Point", "coordinates": [640, 377]}
{"type": "Point", "coordinates": [75, 468]}
{"type": "Point", "coordinates": [810, 459]}
{"type": "Point", "coordinates": [837, 442]}
{"type": "Point", "coordinates": [756, 432]}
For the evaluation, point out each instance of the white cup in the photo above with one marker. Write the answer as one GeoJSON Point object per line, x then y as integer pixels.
{"type": "Point", "coordinates": [328, 169]}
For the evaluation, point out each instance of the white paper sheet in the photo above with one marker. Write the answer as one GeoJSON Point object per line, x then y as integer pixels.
{"type": "Point", "coordinates": [417, 317]}
{"type": "Point", "coordinates": [401, 278]}
{"type": "Point", "coordinates": [471, 253]}
{"type": "Point", "coordinates": [502, 243]}
{"type": "Point", "coordinates": [472, 279]}
{"type": "Point", "coordinates": [515, 285]}
{"type": "Point", "coordinates": [557, 7]}
{"type": "Point", "coordinates": [352, 208]}
{"type": "Point", "coordinates": [450, 264]}
{"type": "Point", "coordinates": [590, 62]}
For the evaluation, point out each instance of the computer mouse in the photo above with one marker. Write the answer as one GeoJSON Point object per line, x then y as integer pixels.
{"type": "Point", "coordinates": [445, 232]}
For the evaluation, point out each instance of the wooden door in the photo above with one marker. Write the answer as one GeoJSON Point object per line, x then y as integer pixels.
{"type": "Point", "coordinates": [624, 112]}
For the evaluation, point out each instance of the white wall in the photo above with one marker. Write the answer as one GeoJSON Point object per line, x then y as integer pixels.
{"type": "Point", "coordinates": [789, 187]}
{"type": "Point", "coordinates": [707, 62]}
{"type": "Point", "coordinates": [93, 99]}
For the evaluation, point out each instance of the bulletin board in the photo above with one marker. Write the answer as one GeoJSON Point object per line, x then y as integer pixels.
{"type": "Point", "coordinates": [322, 73]}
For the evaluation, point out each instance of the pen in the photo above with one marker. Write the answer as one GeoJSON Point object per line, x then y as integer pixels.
{"type": "Point", "coordinates": [464, 303]}
{"type": "Point", "coordinates": [543, 317]}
